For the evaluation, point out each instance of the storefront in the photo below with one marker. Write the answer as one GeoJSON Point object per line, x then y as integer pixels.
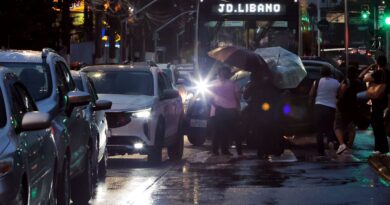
{"type": "Point", "coordinates": [248, 23]}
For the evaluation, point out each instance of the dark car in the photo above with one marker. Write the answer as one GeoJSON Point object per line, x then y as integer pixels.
{"type": "Point", "coordinates": [27, 148]}
{"type": "Point", "coordinates": [299, 117]}
{"type": "Point", "coordinates": [96, 116]}
{"type": "Point", "coordinates": [47, 78]}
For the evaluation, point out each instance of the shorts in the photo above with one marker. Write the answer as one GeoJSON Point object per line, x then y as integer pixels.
{"type": "Point", "coordinates": [342, 124]}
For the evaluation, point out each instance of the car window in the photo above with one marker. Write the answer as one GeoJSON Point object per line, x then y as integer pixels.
{"type": "Point", "coordinates": [161, 84]}
{"type": "Point", "coordinates": [67, 75]}
{"type": "Point", "coordinates": [123, 82]}
{"type": "Point", "coordinates": [3, 114]}
{"type": "Point", "coordinates": [35, 76]}
{"type": "Point", "coordinates": [92, 91]}
{"type": "Point", "coordinates": [21, 101]}
{"type": "Point", "coordinates": [79, 83]}
{"type": "Point", "coordinates": [168, 83]}
{"type": "Point", "coordinates": [62, 86]}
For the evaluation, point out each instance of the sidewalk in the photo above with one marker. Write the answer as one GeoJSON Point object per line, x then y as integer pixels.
{"type": "Point", "coordinates": [381, 164]}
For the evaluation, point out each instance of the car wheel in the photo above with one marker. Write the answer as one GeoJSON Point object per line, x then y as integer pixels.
{"type": "Point", "coordinates": [103, 165]}
{"type": "Point", "coordinates": [155, 152]}
{"type": "Point", "coordinates": [82, 186]}
{"type": "Point", "coordinates": [196, 141]}
{"type": "Point", "coordinates": [175, 151]}
{"type": "Point", "coordinates": [22, 195]}
{"type": "Point", "coordinates": [63, 185]}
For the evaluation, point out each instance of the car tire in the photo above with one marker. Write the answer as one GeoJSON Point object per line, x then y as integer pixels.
{"type": "Point", "coordinates": [21, 197]}
{"type": "Point", "coordinates": [103, 165]}
{"type": "Point", "coordinates": [155, 152]}
{"type": "Point", "coordinates": [196, 141]}
{"type": "Point", "coordinates": [175, 151]}
{"type": "Point", "coordinates": [63, 184]}
{"type": "Point", "coordinates": [82, 186]}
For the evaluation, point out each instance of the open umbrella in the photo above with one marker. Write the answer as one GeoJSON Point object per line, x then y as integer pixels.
{"type": "Point", "coordinates": [286, 66]}
{"type": "Point", "coordinates": [239, 57]}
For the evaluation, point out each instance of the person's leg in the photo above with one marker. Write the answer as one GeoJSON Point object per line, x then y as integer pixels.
{"type": "Point", "coordinates": [378, 127]}
{"type": "Point", "coordinates": [320, 128]}
{"type": "Point", "coordinates": [351, 134]}
{"type": "Point", "coordinates": [217, 135]}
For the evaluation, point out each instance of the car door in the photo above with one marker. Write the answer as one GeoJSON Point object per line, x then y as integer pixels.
{"type": "Point", "coordinates": [39, 144]}
{"type": "Point", "coordinates": [77, 127]}
{"type": "Point", "coordinates": [175, 107]}
{"type": "Point", "coordinates": [165, 105]}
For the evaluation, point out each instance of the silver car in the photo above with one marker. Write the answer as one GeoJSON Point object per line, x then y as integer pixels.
{"type": "Point", "coordinates": [27, 147]}
{"type": "Point", "coordinates": [96, 116]}
{"type": "Point", "coordinates": [47, 77]}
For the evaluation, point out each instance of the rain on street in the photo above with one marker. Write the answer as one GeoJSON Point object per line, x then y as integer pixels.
{"type": "Point", "coordinates": [204, 179]}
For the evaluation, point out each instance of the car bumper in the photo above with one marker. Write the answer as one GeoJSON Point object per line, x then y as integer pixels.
{"type": "Point", "coordinates": [122, 140]}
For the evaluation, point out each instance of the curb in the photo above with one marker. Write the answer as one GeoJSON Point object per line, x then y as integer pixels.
{"type": "Point", "coordinates": [381, 165]}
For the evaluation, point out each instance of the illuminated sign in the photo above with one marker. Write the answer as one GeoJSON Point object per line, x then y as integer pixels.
{"type": "Point", "coordinates": [250, 9]}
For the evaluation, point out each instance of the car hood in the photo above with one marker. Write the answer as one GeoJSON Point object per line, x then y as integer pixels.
{"type": "Point", "coordinates": [128, 102]}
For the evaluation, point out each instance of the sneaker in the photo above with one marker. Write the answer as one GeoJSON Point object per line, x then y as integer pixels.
{"type": "Point", "coordinates": [341, 149]}
{"type": "Point", "coordinates": [375, 152]}
{"type": "Point", "coordinates": [331, 145]}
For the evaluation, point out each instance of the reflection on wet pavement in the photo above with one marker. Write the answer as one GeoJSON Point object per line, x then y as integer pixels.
{"type": "Point", "coordinates": [223, 180]}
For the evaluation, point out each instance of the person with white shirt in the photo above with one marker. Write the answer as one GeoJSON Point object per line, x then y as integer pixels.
{"type": "Point", "coordinates": [325, 93]}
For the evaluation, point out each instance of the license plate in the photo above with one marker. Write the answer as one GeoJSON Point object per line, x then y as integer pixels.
{"type": "Point", "coordinates": [198, 123]}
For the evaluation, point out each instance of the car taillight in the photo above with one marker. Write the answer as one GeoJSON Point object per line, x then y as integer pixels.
{"type": "Point", "coordinates": [118, 119]}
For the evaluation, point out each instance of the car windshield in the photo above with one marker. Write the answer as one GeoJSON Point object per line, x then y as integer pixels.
{"type": "Point", "coordinates": [3, 114]}
{"type": "Point", "coordinates": [79, 83]}
{"type": "Point", "coordinates": [123, 82]}
{"type": "Point", "coordinates": [35, 76]}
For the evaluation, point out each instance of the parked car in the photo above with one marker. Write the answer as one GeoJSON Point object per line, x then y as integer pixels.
{"type": "Point", "coordinates": [146, 113]}
{"type": "Point", "coordinates": [299, 117]}
{"type": "Point", "coordinates": [27, 148]}
{"type": "Point", "coordinates": [96, 116]}
{"type": "Point", "coordinates": [47, 78]}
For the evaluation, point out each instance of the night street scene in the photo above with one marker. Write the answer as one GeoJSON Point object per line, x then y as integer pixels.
{"type": "Point", "coordinates": [194, 102]}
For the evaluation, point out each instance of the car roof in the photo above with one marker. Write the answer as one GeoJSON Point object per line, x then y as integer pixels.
{"type": "Point", "coordinates": [319, 62]}
{"type": "Point", "coordinates": [22, 56]}
{"type": "Point", "coordinates": [132, 67]}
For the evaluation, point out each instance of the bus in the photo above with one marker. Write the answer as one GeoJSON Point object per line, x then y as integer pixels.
{"type": "Point", "coordinates": [247, 23]}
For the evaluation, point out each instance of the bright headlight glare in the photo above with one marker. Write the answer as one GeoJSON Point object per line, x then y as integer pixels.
{"type": "Point", "coordinates": [5, 166]}
{"type": "Point", "coordinates": [143, 113]}
{"type": "Point", "coordinates": [138, 145]}
{"type": "Point", "coordinates": [202, 86]}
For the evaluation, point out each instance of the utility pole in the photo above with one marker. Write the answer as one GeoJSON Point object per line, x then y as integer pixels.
{"type": "Point", "coordinates": [346, 21]}
{"type": "Point", "coordinates": [196, 41]}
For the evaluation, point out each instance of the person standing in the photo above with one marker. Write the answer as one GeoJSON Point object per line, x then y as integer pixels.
{"type": "Point", "coordinates": [264, 112]}
{"type": "Point", "coordinates": [225, 101]}
{"type": "Point", "coordinates": [347, 109]}
{"type": "Point", "coordinates": [379, 76]}
{"type": "Point", "coordinates": [324, 91]}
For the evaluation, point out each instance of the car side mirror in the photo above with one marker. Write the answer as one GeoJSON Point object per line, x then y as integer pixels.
{"type": "Point", "coordinates": [35, 121]}
{"type": "Point", "coordinates": [102, 105]}
{"type": "Point", "coordinates": [170, 94]}
{"type": "Point", "coordinates": [76, 99]}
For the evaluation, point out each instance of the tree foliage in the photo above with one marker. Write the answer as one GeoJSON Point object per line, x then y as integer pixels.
{"type": "Point", "coordinates": [27, 24]}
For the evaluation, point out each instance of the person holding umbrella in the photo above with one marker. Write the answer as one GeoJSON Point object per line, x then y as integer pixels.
{"type": "Point", "coordinates": [226, 104]}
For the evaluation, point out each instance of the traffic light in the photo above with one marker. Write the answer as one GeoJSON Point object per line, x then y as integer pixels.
{"type": "Point", "coordinates": [387, 20]}
{"type": "Point", "coordinates": [365, 12]}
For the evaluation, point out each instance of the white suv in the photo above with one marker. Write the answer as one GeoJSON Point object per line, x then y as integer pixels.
{"type": "Point", "coordinates": [146, 113]}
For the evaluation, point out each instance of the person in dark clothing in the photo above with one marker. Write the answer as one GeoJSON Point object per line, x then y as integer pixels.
{"type": "Point", "coordinates": [347, 109]}
{"type": "Point", "coordinates": [264, 114]}
{"type": "Point", "coordinates": [226, 108]}
{"type": "Point", "coordinates": [379, 75]}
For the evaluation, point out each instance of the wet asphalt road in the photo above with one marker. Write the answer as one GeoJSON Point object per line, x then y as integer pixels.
{"type": "Point", "coordinates": [204, 179]}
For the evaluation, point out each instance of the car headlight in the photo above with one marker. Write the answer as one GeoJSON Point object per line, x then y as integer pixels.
{"type": "Point", "coordinates": [146, 113]}
{"type": "Point", "coordinates": [202, 87]}
{"type": "Point", "coordinates": [6, 166]}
